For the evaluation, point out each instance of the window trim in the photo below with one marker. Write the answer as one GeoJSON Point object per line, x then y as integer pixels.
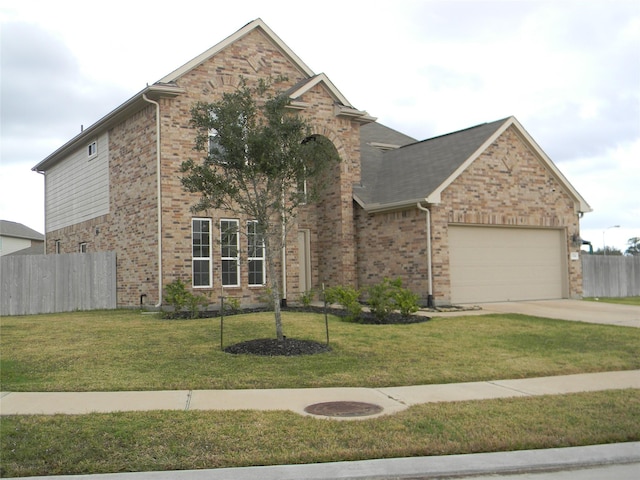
{"type": "Point", "coordinates": [92, 149]}
{"type": "Point", "coordinates": [251, 258]}
{"type": "Point", "coordinates": [228, 258]}
{"type": "Point", "coordinates": [208, 258]}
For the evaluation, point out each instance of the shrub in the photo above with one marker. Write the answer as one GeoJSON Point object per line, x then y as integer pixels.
{"type": "Point", "coordinates": [177, 295]}
{"type": "Point", "coordinates": [389, 295]}
{"type": "Point", "coordinates": [406, 302]}
{"type": "Point", "coordinates": [381, 297]}
{"type": "Point", "coordinates": [307, 297]}
{"type": "Point", "coordinates": [232, 304]}
{"type": "Point", "coordinates": [347, 297]}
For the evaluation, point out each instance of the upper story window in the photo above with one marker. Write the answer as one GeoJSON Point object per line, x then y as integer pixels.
{"type": "Point", "coordinates": [201, 252]}
{"type": "Point", "coordinates": [92, 149]}
{"type": "Point", "coordinates": [230, 253]}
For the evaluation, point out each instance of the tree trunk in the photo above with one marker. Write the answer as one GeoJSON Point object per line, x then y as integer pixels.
{"type": "Point", "coordinates": [274, 285]}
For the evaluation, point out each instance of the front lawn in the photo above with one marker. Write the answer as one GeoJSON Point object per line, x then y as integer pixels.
{"type": "Point", "coordinates": [128, 350]}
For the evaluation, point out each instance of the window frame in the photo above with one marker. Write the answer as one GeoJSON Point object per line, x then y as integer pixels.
{"type": "Point", "coordinates": [228, 245]}
{"type": "Point", "coordinates": [252, 246]}
{"type": "Point", "coordinates": [82, 247]}
{"type": "Point", "coordinates": [202, 258]}
{"type": "Point", "coordinates": [92, 149]}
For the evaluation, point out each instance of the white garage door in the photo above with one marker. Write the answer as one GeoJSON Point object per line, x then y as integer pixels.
{"type": "Point", "coordinates": [495, 264]}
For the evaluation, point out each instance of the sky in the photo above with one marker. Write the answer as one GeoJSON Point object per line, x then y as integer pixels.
{"type": "Point", "coordinates": [569, 71]}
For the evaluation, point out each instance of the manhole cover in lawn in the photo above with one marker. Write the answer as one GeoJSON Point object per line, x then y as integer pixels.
{"type": "Point", "coordinates": [343, 409]}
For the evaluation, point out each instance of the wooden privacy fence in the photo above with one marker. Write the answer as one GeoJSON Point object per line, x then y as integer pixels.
{"type": "Point", "coordinates": [31, 284]}
{"type": "Point", "coordinates": [610, 276]}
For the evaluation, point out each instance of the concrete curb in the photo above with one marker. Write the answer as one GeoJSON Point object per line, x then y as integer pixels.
{"type": "Point", "coordinates": [501, 463]}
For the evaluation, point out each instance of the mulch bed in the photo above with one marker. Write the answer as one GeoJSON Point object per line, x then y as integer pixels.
{"type": "Point", "coordinates": [271, 347]}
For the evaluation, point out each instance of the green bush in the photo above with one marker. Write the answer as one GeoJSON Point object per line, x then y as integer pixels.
{"type": "Point", "coordinates": [406, 301]}
{"type": "Point", "coordinates": [177, 295]}
{"type": "Point", "coordinates": [389, 295]}
{"type": "Point", "coordinates": [307, 297]}
{"type": "Point", "coordinates": [346, 296]}
{"type": "Point", "coordinates": [381, 297]}
{"type": "Point", "coordinates": [232, 304]}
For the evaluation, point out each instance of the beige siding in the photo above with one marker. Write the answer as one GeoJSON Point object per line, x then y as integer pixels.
{"type": "Point", "coordinates": [77, 189]}
{"type": "Point", "coordinates": [491, 264]}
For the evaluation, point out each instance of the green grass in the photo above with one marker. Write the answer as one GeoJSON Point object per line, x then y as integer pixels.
{"type": "Point", "coordinates": [620, 300]}
{"type": "Point", "coordinates": [118, 442]}
{"type": "Point", "coordinates": [126, 350]}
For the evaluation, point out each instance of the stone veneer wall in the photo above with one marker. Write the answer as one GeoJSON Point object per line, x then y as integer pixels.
{"type": "Point", "coordinates": [506, 186]}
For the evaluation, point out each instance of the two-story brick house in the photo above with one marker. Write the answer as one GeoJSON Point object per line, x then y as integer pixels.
{"type": "Point", "coordinates": [424, 211]}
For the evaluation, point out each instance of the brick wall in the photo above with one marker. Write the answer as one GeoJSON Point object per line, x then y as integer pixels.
{"type": "Point", "coordinates": [506, 186]}
{"type": "Point", "coordinates": [330, 223]}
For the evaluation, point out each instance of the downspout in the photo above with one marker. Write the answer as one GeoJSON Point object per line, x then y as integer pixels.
{"type": "Point", "coordinates": [158, 185]}
{"type": "Point", "coordinates": [283, 301]}
{"type": "Point", "coordinates": [430, 303]}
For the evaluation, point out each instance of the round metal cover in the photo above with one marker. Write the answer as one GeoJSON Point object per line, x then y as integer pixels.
{"type": "Point", "coordinates": [343, 409]}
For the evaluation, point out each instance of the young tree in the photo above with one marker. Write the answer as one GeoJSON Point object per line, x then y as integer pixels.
{"type": "Point", "coordinates": [257, 158]}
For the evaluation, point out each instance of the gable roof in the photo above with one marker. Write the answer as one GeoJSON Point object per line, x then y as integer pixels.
{"type": "Point", "coordinates": [167, 87]}
{"type": "Point", "coordinates": [419, 172]}
{"type": "Point", "coordinates": [257, 24]}
{"type": "Point", "coordinates": [18, 230]}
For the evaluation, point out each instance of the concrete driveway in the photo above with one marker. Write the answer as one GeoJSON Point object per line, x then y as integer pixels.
{"type": "Point", "coordinates": [576, 310]}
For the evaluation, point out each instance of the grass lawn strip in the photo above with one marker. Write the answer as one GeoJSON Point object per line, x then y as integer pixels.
{"type": "Point", "coordinates": [148, 441]}
{"type": "Point", "coordinates": [618, 300]}
{"type": "Point", "coordinates": [125, 350]}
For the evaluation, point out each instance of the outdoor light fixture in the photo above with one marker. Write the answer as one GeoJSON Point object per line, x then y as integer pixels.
{"type": "Point", "coordinates": [604, 245]}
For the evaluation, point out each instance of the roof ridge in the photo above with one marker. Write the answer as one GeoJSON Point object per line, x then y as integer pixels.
{"type": "Point", "coordinates": [460, 131]}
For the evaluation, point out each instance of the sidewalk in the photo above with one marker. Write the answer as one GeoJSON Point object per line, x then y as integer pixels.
{"type": "Point", "coordinates": [391, 399]}
{"type": "Point", "coordinates": [604, 461]}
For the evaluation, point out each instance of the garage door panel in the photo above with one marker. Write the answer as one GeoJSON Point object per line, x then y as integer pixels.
{"type": "Point", "coordinates": [490, 264]}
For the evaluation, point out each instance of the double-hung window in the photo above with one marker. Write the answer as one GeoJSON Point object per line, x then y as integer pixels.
{"type": "Point", "coordinates": [201, 252]}
{"type": "Point", "coordinates": [229, 253]}
{"type": "Point", "coordinates": [255, 254]}
{"type": "Point", "coordinates": [92, 149]}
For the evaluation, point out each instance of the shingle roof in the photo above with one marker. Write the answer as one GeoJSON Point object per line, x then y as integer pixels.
{"type": "Point", "coordinates": [414, 170]}
{"type": "Point", "coordinates": [18, 230]}
{"type": "Point", "coordinates": [36, 249]}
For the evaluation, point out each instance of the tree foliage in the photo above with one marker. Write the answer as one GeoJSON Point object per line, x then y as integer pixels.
{"type": "Point", "coordinates": [634, 246]}
{"type": "Point", "coordinates": [609, 251]}
{"type": "Point", "coordinates": [260, 161]}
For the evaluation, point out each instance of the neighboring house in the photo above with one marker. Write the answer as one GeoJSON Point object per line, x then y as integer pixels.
{"type": "Point", "coordinates": [18, 239]}
{"type": "Point", "coordinates": [503, 221]}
